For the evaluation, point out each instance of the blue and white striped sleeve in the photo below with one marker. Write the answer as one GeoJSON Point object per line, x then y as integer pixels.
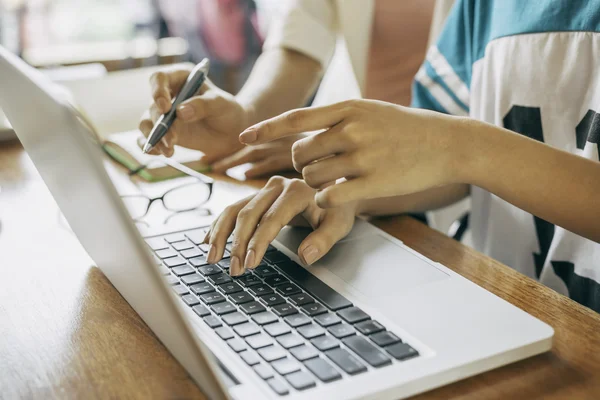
{"type": "Point", "coordinates": [442, 83]}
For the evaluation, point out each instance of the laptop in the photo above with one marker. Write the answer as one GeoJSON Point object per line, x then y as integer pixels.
{"type": "Point", "coordinates": [372, 319]}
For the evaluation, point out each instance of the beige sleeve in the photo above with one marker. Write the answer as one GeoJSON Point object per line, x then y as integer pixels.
{"type": "Point", "coordinates": [306, 26]}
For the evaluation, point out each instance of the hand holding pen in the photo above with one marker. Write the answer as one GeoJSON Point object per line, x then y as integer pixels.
{"type": "Point", "coordinates": [210, 120]}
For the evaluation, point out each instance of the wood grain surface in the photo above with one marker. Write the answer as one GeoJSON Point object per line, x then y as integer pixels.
{"type": "Point", "coordinates": [66, 333]}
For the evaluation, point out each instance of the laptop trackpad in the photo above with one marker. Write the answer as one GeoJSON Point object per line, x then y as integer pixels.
{"type": "Point", "coordinates": [378, 267]}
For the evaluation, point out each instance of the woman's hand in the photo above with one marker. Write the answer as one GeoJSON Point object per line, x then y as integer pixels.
{"type": "Point", "coordinates": [256, 220]}
{"type": "Point", "coordinates": [379, 149]}
{"type": "Point", "coordinates": [209, 122]}
{"type": "Point", "coordinates": [268, 158]}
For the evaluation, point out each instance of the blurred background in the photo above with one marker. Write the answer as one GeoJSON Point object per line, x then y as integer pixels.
{"type": "Point", "coordinates": [111, 35]}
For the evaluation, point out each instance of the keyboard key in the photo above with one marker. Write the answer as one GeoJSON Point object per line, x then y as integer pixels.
{"type": "Point", "coordinates": [174, 261]}
{"type": "Point", "coordinates": [259, 290]}
{"type": "Point", "coordinates": [346, 361]}
{"type": "Point", "coordinates": [353, 315]}
{"type": "Point", "coordinates": [369, 327]}
{"type": "Point", "coordinates": [198, 261]}
{"type": "Point", "coordinates": [212, 321]}
{"type": "Point", "coordinates": [249, 357]}
{"type": "Point", "coordinates": [325, 342]}
{"type": "Point", "coordinates": [288, 289]}
{"type": "Point", "coordinates": [300, 380]}
{"type": "Point", "coordinates": [172, 280]}
{"type": "Point", "coordinates": [258, 341]}
{"type": "Point", "coordinates": [384, 338]}
{"type": "Point", "coordinates": [265, 271]}
{"type": "Point", "coordinates": [341, 330]}
{"type": "Point", "coordinates": [174, 237]}
{"type": "Point", "coordinates": [166, 253]}
{"type": "Point", "coordinates": [290, 340]}
{"type": "Point", "coordinates": [212, 298]}
{"type": "Point", "coordinates": [225, 263]}
{"type": "Point", "coordinates": [180, 289]}
{"type": "Point", "coordinates": [224, 333]}
{"type": "Point", "coordinates": [201, 310]}
{"type": "Point", "coordinates": [313, 285]}
{"type": "Point", "coordinates": [190, 300]}
{"type": "Point", "coordinates": [192, 279]}
{"type": "Point", "coordinates": [183, 245]}
{"type": "Point", "coordinates": [201, 288]}
{"type": "Point", "coordinates": [310, 331]}
{"type": "Point", "coordinates": [264, 318]}
{"type": "Point", "coordinates": [304, 352]}
{"type": "Point", "coordinates": [278, 386]}
{"type": "Point", "coordinates": [297, 320]}
{"type": "Point", "coordinates": [322, 369]}
{"type": "Point", "coordinates": [270, 249]}
{"type": "Point", "coordinates": [276, 280]}
{"type": "Point", "coordinates": [234, 318]}
{"type": "Point", "coordinates": [204, 247]}
{"type": "Point", "coordinates": [401, 351]}
{"type": "Point", "coordinates": [209, 270]}
{"type": "Point", "coordinates": [241, 297]}
{"type": "Point", "coordinates": [183, 270]}
{"type": "Point", "coordinates": [328, 319]}
{"type": "Point", "coordinates": [367, 351]}
{"type": "Point", "coordinates": [196, 236]}
{"type": "Point", "coordinates": [272, 299]}
{"type": "Point", "coordinates": [263, 370]}
{"type": "Point", "coordinates": [191, 253]}
{"type": "Point", "coordinates": [301, 299]}
{"type": "Point", "coordinates": [157, 243]}
{"type": "Point", "coordinates": [313, 309]}
{"type": "Point", "coordinates": [272, 353]}
{"type": "Point", "coordinates": [248, 280]}
{"type": "Point", "coordinates": [276, 329]}
{"type": "Point", "coordinates": [219, 279]}
{"type": "Point", "coordinates": [237, 345]}
{"type": "Point", "coordinates": [229, 288]}
{"type": "Point", "coordinates": [252, 308]}
{"type": "Point", "coordinates": [285, 366]}
{"type": "Point", "coordinates": [246, 329]}
{"type": "Point", "coordinates": [285, 309]}
{"type": "Point", "coordinates": [223, 308]}
{"type": "Point", "coordinates": [276, 257]}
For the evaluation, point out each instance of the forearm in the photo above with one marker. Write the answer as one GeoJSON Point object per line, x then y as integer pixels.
{"type": "Point", "coordinates": [555, 185]}
{"type": "Point", "coordinates": [427, 200]}
{"type": "Point", "coordinates": [280, 81]}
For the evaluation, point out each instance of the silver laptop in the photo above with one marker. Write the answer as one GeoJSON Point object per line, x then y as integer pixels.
{"type": "Point", "coordinates": [373, 319]}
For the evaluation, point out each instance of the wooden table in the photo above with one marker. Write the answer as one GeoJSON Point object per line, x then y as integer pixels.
{"type": "Point", "coordinates": [65, 332]}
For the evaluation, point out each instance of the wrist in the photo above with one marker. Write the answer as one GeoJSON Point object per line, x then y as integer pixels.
{"type": "Point", "coordinates": [250, 112]}
{"type": "Point", "coordinates": [465, 150]}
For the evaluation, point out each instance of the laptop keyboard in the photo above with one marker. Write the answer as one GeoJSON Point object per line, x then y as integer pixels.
{"type": "Point", "coordinates": [289, 326]}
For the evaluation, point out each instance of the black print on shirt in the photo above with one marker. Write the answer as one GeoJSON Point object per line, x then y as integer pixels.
{"type": "Point", "coordinates": [588, 130]}
{"type": "Point", "coordinates": [528, 122]}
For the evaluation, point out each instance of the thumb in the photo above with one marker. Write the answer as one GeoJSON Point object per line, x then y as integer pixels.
{"type": "Point", "coordinates": [335, 226]}
{"type": "Point", "coordinates": [207, 105]}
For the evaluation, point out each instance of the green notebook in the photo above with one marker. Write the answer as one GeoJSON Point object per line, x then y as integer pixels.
{"type": "Point", "coordinates": [125, 148]}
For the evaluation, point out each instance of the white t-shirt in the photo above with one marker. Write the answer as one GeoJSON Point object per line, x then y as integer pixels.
{"type": "Point", "coordinates": [534, 68]}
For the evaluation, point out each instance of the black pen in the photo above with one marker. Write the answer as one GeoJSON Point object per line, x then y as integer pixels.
{"type": "Point", "coordinates": [190, 87]}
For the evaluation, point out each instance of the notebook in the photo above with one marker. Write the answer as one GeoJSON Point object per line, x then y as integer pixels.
{"type": "Point", "coordinates": [125, 148]}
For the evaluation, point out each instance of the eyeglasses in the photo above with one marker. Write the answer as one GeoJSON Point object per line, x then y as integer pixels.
{"type": "Point", "coordinates": [186, 197]}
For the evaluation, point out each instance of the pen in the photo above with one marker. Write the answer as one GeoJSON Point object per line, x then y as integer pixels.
{"type": "Point", "coordinates": [190, 87]}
